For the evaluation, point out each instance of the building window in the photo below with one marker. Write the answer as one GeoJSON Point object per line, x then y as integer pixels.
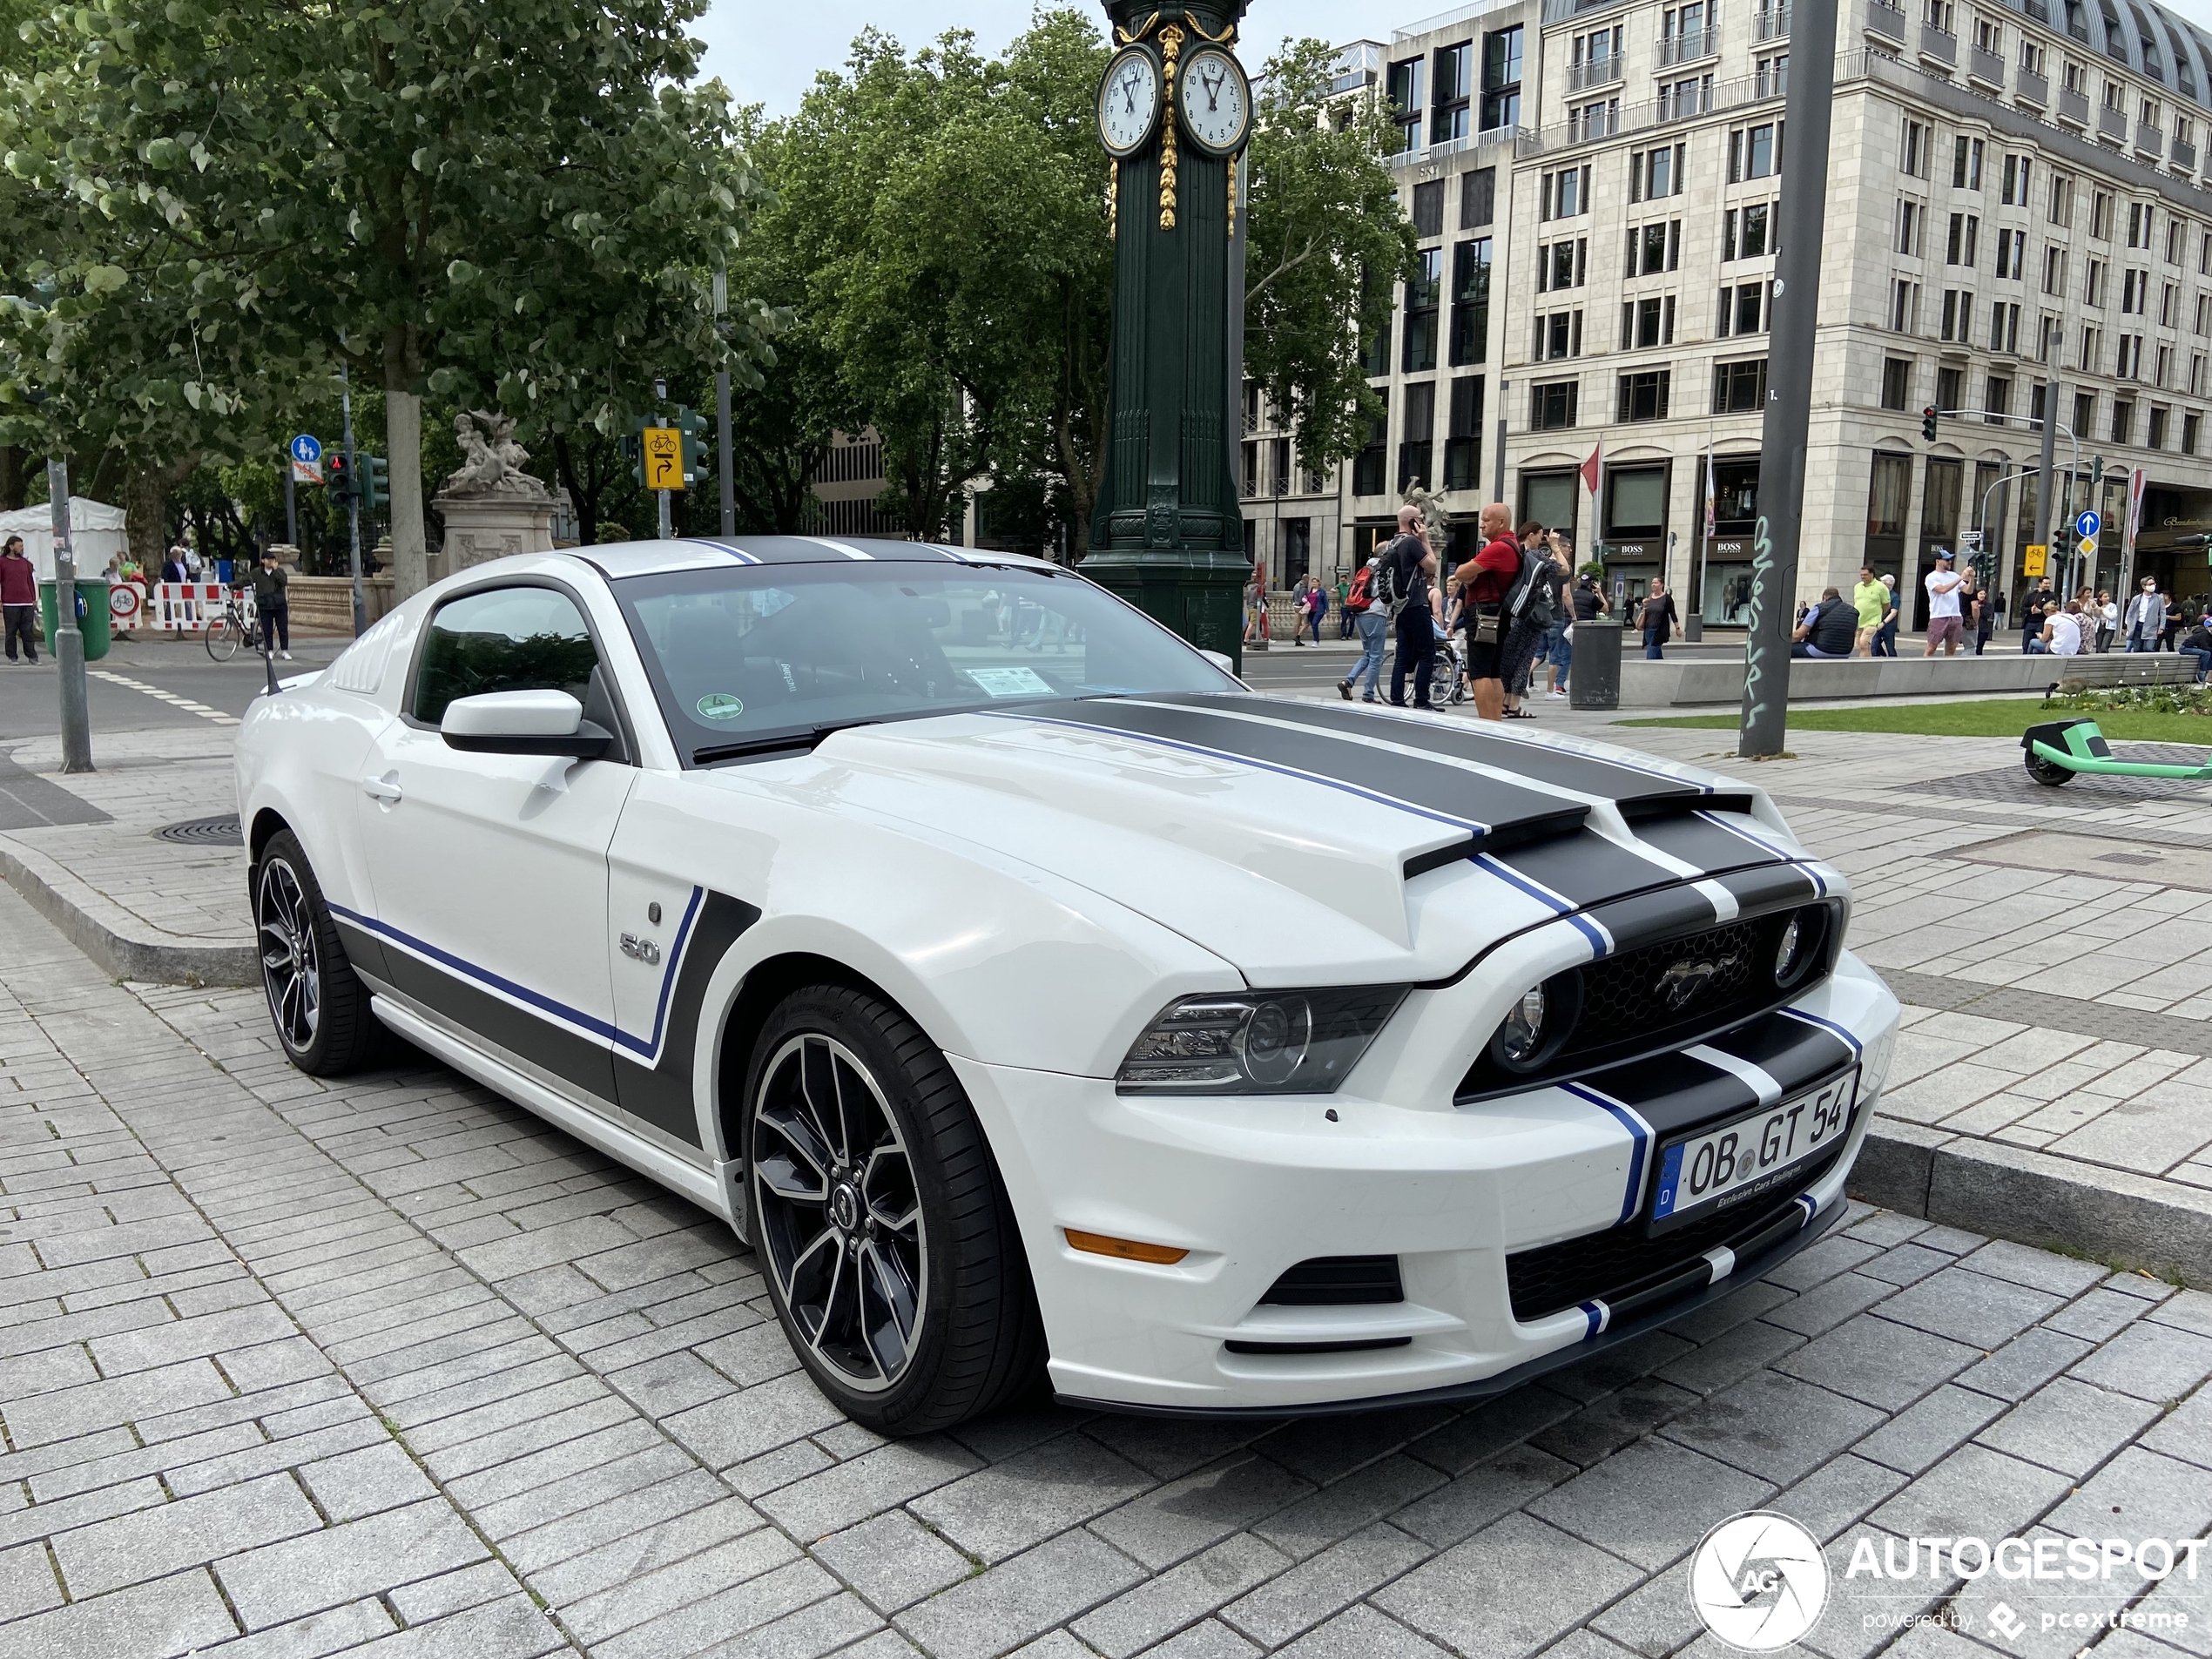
{"type": "Point", "coordinates": [2084, 414]}
{"type": "Point", "coordinates": [2005, 328]}
{"type": "Point", "coordinates": [1958, 315]}
{"type": "Point", "coordinates": [2101, 215]}
{"type": "Point", "coordinates": [1755, 152]}
{"type": "Point", "coordinates": [1770, 77]}
{"type": "Point", "coordinates": [1647, 322]}
{"type": "Point", "coordinates": [2196, 373]}
{"type": "Point", "coordinates": [2054, 270]}
{"type": "Point", "coordinates": [1739, 389]}
{"type": "Point", "coordinates": [2123, 420]}
{"type": "Point", "coordinates": [1367, 465]}
{"type": "Point", "coordinates": [1896, 383]}
{"type": "Point", "coordinates": [2013, 193]}
{"type": "Point", "coordinates": [1654, 173]}
{"type": "Point", "coordinates": [1951, 394]}
{"type": "Point", "coordinates": [1278, 476]}
{"type": "Point", "coordinates": [1966, 163]}
{"type": "Point", "coordinates": [1635, 503]}
{"type": "Point", "coordinates": [1471, 302]}
{"type": "Point", "coordinates": [1652, 249]}
{"type": "Point", "coordinates": [1965, 233]}
{"type": "Point", "coordinates": [2061, 200]}
{"type": "Point", "coordinates": [1248, 483]}
{"type": "Point", "coordinates": [1478, 198]}
{"type": "Point", "coordinates": [1742, 310]}
{"type": "Point", "coordinates": [1565, 194]}
{"type": "Point", "coordinates": [2092, 291]}
{"type": "Point", "coordinates": [1463, 438]}
{"type": "Point", "coordinates": [1558, 335]}
{"type": "Point", "coordinates": [1422, 296]}
{"type": "Point", "coordinates": [1405, 101]}
{"type": "Point", "coordinates": [2156, 436]}
{"type": "Point", "coordinates": [1416, 435]}
{"type": "Point", "coordinates": [1997, 399]}
{"type": "Point", "coordinates": [2012, 249]}
{"type": "Point", "coordinates": [1502, 78]}
{"type": "Point", "coordinates": [1911, 220]}
{"type": "Point", "coordinates": [1746, 231]}
{"type": "Point", "coordinates": [1886, 494]}
{"type": "Point", "coordinates": [1428, 208]}
{"type": "Point", "coordinates": [1562, 265]}
{"type": "Point", "coordinates": [1905, 308]}
{"type": "Point", "coordinates": [2192, 427]}
{"type": "Point", "coordinates": [1913, 147]}
{"type": "Point", "coordinates": [1454, 70]}
{"type": "Point", "coordinates": [1642, 396]}
{"type": "Point", "coordinates": [1552, 405]}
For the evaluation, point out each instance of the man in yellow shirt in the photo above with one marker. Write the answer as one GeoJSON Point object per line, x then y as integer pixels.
{"type": "Point", "coordinates": [1872, 599]}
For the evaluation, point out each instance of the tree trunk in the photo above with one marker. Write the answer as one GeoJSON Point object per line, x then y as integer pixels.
{"type": "Point", "coordinates": [145, 511]}
{"type": "Point", "coordinates": [403, 436]}
{"type": "Point", "coordinates": [15, 477]}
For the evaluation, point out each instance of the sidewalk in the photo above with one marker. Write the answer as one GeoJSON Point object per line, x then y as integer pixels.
{"type": "Point", "coordinates": [2053, 1085]}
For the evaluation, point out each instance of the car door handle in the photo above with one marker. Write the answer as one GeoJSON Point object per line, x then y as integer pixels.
{"type": "Point", "coordinates": [385, 789]}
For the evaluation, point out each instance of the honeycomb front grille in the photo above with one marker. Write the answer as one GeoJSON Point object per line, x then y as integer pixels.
{"type": "Point", "coordinates": [1630, 995]}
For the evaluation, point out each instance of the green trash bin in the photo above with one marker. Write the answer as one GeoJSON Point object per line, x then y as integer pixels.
{"type": "Point", "coordinates": [92, 617]}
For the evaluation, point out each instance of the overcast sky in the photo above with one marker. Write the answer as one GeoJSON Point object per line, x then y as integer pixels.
{"type": "Point", "coordinates": [767, 51]}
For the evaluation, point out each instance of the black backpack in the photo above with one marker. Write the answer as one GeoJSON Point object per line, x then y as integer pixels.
{"type": "Point", "coordinates": [1533, 597]}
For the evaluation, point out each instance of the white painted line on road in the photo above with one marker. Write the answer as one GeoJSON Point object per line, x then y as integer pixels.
{"type": "Point", "coordinates": [170, 698]}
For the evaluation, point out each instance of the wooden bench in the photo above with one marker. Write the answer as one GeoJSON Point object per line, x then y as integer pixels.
{"type": "Point", "coordinates": [2097, 672]}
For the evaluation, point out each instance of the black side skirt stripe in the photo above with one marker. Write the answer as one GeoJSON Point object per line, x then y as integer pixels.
{"type": "Point", "coordinates": [363, 948]}
{"type": "Point", "coordinates": [1494, 811]}
{"type": "Point", "coordinates": [662, 1095]}
{"type": "Point", "coordinates": [1584, 774]}
{"type": "Point", "coordinates": [585, 1062]}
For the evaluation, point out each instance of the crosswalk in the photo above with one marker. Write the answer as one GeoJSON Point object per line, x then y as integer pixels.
{"type": "Point", "coordinates": [170, 697]}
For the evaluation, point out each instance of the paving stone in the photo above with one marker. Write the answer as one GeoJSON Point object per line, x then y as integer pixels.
{"type": "Point", "coordinates": [1886, 1366]}
{"type": "Point", "coordinates": [153, 1543]}
{"type": "Point", "coordinates": [736, 1427]}
{"type": "Point", "coordinates": [361, 1483]}
{"type": "Point", "coordinates": [892, 1560]}
{"type": "Point", "coordinates": [1828, 1305]}
{"type": "Point", "coordinates": [170, 1615]}
{"type": "Point", "coordinates": [330, 1631]}
{"type": "Point", "coordinates": [1139, 1617]}
{"type": "Point", "coordinates": [829, 1624]}
{"type": "Point", "coordinates": [2138, 1494]}
{"type": "Point", "coordinates": [463, 1587]}
{"type": "Point", "coordinates": [2185, 1431]}
{"type": "Point", "coordinates": [63, 1412]}
{"type": "Point", "coordinates": [2070, 1425]}
{"type": "Point", "coordinates": [669, 1589]}
{"type": "Point", "coordinates": [1362, 1632]}
{"type": "Point", "coordinates": [1010, 1506]}
{"type": "Point", "coordinates": [998, 1609]}
{"type": "Point", "coordinates": [1344, 1507]}
{"type": "Point", "coordinates": [511, 1629]}
{"type": "Point", "coordinates": [2104, 1312]}
{"type": "Point", "coordinates": [1598, 1430]}
{"type": "Point", "coordinates": [1483, 1493]}
{"type": "Point", "coordinates": [1323, 1449]}
{"type": "Point", "coordinates": [2025, 1363]}
{"type": "Point", "coordinates": [1926, 1431]}
{"type": "Point", "coordinates": [2153, 1362]}
{"type": "Point", "coordinates": [845, 1493]}
{"type": "Point", "coordinates": [1647, 1503]}
{"type": "Point", "coordinates": [321, 1569]}
{"type": "Point", "coordinates": [1730, 1356]}
{"type": "Point", "coordinates": [1972, 1493]}
{"type": "Point", "coordinates": [1654, 1619]}
{"type": "Point", "coordinates": [1208, 1641]}
{"type": "Point", "coordinates": [1971, 1307]}
{"type": "Point", "coordinates": [1319, 1588]}
{"type": "Point", "coordinates": [1490, 1428]}
{"type": "Point", "coordinates": [27, 1582]}
{"type": "Point", "coordinates": [613, 1543]}
{"type": "Point", "coordinates": [1473, 1598]}
{"type": "Point", "coordinates": [2041, 1269]}
{"type": "Point", "coordinates": [1776, 1427]}
{"type": "Point", "coordinates": [1905, 1264]}
{"type": "Point", "coordinates": [1184, 1516]}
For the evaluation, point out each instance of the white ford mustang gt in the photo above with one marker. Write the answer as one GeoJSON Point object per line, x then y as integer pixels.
{"type": "Point", "coordinates": [1027, 991]}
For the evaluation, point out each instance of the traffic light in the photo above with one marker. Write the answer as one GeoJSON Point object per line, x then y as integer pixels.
{"type": "Point", "coordinates": [1928, 423]}
{"type": "Point", "coordinates": [693, 427]}
{"type": "Point", "coordinates": [633, 449]}
{"type": "Point", "coordinates": [375, 481]}
{"type": "Point", "coordinates": [338, 475]}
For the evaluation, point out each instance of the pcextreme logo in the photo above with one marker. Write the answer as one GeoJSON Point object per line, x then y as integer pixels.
{"type": "Point", "coordinates": [1758, 1581]}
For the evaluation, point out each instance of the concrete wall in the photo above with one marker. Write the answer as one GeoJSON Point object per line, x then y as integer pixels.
{"type": "Point", "coordinates": [1666, 685]}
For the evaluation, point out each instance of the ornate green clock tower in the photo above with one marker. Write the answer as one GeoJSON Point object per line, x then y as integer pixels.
{"type": "Point", "coordinates": [1175, 112]}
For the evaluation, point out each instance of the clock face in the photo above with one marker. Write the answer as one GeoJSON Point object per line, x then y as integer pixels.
{"type": "Point", "coordinates": [1216, 104]}
{"type": "Point", "coordinates": [1129, 101]}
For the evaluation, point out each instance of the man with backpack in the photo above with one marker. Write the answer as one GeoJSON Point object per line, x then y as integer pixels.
{"type": "Point", "coordinates": [1366, 615]}
{"type": "Point", "coordinates": [1531, 604]}
{"type": "Point", "coordinates": [1403, 586]}
{"type": "Point", "coordinates": [1491, 581]}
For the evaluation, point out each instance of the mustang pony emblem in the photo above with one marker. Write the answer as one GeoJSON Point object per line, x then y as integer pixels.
{"type": "Point", "coordinates": [1685, 981]}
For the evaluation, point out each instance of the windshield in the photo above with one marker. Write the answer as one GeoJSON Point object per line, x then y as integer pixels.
{"type": "Point", "coordinates": [755, 652]}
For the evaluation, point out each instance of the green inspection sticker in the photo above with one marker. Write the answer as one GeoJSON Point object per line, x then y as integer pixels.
{"type": "Point", "coordinates": [719, 705]}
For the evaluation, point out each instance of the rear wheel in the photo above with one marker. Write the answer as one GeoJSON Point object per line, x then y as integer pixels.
{"type": "Point", "coordinates": [222, 639]}
{"type": "Point", "coordinates": [2047, 771]}
{"type": "Point", "coordinates": [890, 1250]}
{"type": "Point", "coordinates": [318, 1003]}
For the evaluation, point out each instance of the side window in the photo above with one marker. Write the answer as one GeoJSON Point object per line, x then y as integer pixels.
{"type": "Point", "coordinates": [506, 640]}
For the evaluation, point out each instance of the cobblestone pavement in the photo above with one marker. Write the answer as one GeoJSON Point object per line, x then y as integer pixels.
{"type": "Point", "coordinates": [287, 1368]}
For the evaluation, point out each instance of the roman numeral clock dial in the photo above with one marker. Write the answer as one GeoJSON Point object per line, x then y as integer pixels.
{"type": "Point", "coordinates": [1215, 101]}
{"type": "Point", "coordinates": [1129, 101]}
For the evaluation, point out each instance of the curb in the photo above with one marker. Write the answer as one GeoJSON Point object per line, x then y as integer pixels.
{"type": "Point", "coordinates": [97, 926]}
{"type": "Point", "coordinates": [2028, 1197]}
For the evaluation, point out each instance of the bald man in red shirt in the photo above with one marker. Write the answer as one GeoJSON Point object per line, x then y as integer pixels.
{"type": "Point", "coordinates": [1485, 580]}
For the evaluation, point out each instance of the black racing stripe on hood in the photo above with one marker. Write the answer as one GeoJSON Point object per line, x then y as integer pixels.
{"type": "Point", "coordinates": [1538, 762]}
{"type": "Point", "coordinates": [1673, 1092]}
{"type": "Point", "coordinates": [1648, 917]}
{"type": "Point", "coordinates": [1498, 812]}
{"type": "Point", "coordinates": [1795, 1053]}
{"type": "Point", "coordinates": [1696, 839]}
{"type": "Point", "coordinates": [1768, 885]}
{"type": "Point", "coordinates": [1585, 869]}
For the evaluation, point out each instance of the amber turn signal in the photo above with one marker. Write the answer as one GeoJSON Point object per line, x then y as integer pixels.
{"type": "Point", "coordinates": [1127, 1250]}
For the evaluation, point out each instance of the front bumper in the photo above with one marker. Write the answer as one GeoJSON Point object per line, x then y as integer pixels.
{"type": "Point", "coordinates": [1251, 1187]}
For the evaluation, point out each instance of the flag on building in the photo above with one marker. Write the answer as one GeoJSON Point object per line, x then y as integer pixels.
{"type": "Point", "coordinates": [2134, 503]}
{"type": "Point", "coordinates": [1593, 467]}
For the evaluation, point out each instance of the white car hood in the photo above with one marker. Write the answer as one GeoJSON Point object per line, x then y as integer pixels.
{"type": "Point", "coordinates": [1303, 842]}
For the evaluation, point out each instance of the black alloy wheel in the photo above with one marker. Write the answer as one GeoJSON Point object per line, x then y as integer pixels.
{"type": "Point", "coordinates": [885, 1235]}
{"type": "Point", "coordinates": [318, 1004]}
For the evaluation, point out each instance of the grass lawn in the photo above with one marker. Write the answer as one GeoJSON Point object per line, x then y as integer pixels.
{"type": "Point", "coordinates": [1986, 718]}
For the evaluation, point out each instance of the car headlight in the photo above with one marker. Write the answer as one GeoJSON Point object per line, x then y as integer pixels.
{"type": "Point", "coordinates": [1538, 1023]}
{"type": "Point", "coordinates": [1258, 1042]}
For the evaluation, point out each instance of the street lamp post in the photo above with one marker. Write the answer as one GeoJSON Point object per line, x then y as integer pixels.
{"type": "Point", "coordinates": [69, 638]}
{"type": "Point", "coordinates": [352, 508]}
{"type": "Point", "coordinates": [726, 462]}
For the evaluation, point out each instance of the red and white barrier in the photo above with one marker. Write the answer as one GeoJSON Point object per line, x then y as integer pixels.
{"type": "Point", "coordinates": [192, 606]}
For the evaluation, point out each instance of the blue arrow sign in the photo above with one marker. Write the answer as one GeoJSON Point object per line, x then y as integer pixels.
{"type": "Point", "coordinates": [305, 449]}
{"type": "Point", "coordinates": [2089, 525]}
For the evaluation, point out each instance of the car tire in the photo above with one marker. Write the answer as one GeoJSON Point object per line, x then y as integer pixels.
{"type": "Point", "coordinates": [2048, 771]}
{"type": "Point", "coordinates": [318, 1003]}
{"type": "Point", "coordinates": [883, 1229]}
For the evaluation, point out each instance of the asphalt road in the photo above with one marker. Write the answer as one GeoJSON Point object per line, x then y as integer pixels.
{"type": "Point", "coordinates": [178, 664]}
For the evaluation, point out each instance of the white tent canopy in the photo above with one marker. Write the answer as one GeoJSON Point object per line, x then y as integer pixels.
{"type": "Point", "coordinates": [96, 534]}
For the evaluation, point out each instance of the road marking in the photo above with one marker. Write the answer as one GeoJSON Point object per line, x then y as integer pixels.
{"type": "Point", "coordinates": [170, 698]}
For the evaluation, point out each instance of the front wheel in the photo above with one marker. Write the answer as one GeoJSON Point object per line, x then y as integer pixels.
{"type": "Point", "coordinates": [889, 1248]}
{"type": "Point", "coordinates": [222, 639]}
{"type": "Point", "coordinates": [318, 1003]}
{"type": "Point", "coordinates": [2047, 771]}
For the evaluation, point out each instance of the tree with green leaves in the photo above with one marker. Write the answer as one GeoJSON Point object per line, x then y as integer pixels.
{"type": "Point", "coordinates": [523, 199]}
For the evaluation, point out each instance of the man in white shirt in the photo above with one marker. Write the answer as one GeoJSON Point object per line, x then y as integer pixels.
{"type": "Point", "coordinates": [2146, 616]}
{"type": "Point", "coordinates": [2061, 633]}
{"type": "Point", "coordinates": [1944, 624]}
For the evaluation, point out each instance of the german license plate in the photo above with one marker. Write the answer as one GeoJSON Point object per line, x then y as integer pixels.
{"type": "Point", "coordinates": [1752, 1154]}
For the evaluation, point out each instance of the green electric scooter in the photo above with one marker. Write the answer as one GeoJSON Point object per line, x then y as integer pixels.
{"type": "Point", "coordinates": [2057, 752]}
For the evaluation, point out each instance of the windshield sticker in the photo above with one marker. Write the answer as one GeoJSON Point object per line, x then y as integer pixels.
{"type": "Point", "coordinates": [1011, 682]}
{"type": "Point", "coordinates": [718, 706]}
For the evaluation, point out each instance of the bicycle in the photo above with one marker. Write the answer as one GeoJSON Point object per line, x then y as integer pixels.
{"type": "Point", "coordinates": [230, 631]}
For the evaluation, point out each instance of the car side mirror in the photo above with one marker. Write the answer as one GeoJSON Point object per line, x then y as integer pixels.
{"type": "Point", "coordinates": [524, 723]}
